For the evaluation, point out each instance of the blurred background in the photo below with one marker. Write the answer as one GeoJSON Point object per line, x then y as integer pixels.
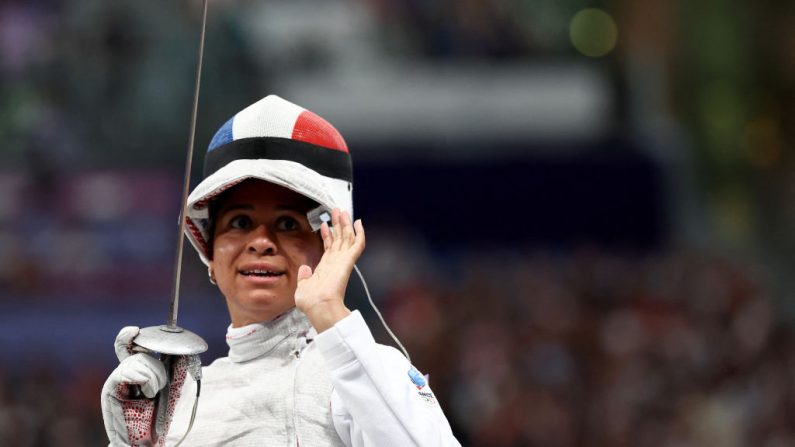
{"type": "Point", "coordinates": [579, 212]}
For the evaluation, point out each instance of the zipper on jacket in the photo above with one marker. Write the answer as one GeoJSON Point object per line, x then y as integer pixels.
{"type": "Point", "coordinates": [297, 354]}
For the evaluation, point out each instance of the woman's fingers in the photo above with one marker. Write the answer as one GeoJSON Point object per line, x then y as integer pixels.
{"type": "Point", "coordinates": [335, 223]}
{"type": "Point", "coordinates": [359, 227]}
{"type": "Point", "coordinates": [124, 342]}
{"type": "Point", "coordinates": [325, 234]}
{"type": "Point", "coordinates": [304, 272]}
{"type": "Point", "coordinates": [343, 233]}
{"type": "Point", "coordinates": [348, 234]}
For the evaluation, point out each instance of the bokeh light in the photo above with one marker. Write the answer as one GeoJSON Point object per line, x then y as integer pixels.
{"type": "Point", "coordinates": [593, 32]}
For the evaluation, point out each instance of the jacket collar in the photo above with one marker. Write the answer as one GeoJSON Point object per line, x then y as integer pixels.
{"type": "Point", "coordinates": [258, 339]}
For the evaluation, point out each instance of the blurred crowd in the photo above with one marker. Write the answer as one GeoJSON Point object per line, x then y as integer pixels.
{"type": "Point", "coordinates": [673, 348]}
{"type": "Point", "coordinates": [42, 407]}
{"type": "Point", "coordinates": [97, 83]}
{"type": "Point", "coordinates": [91, 83]}
{"type": "Point", "coordinates": [469, 29]}
{"type": "Point", "coordinates": [591, 349]}
{"type": "Point", "coordinates": [580, 349]}
{"type": "Point", "coordinates": [87, 235]}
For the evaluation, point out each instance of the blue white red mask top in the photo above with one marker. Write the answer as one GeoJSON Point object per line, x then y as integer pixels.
{"type": "Point", "coordinates": [279, 142]}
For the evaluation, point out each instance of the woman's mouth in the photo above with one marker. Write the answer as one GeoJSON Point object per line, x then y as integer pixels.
{"type": "Point", "coordinates": [261, 273]}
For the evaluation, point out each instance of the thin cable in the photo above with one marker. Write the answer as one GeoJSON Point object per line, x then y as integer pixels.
{"type": "Point", "coordinates": [174, 308]}
{"type": "Point", "coordinates": [381, 317]}
{"type": "Point", "coordinates": [192, 413]}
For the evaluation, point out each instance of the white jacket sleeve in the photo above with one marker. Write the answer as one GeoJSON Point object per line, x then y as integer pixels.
{"type": "Point", "coordinates": [379, 399]}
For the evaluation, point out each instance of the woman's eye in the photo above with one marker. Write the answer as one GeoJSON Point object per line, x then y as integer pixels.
{"type": "Point", "coordinates": [287, 224]}
{"type": "Point", "coordinates": [240, 222]}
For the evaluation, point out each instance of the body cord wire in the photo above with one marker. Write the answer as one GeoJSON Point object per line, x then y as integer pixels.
{"type": "Point", "coordinates": [381, 317]}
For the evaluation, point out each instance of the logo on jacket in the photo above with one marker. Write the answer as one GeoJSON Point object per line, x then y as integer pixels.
{"type": "Point", "coordinates": [420, 382]}
{"type": "Point", "coordinates": [417, 378]}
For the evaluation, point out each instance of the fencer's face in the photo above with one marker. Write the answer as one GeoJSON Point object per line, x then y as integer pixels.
{"type": "Point", "coordinates": [261, 238]}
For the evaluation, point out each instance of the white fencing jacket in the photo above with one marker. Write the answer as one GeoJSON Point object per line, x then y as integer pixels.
{"type": "Point", "coordinates": [284, 385]}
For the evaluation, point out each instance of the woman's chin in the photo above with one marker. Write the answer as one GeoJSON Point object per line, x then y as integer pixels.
{"type": "Point", "coordinates": [265, 302]}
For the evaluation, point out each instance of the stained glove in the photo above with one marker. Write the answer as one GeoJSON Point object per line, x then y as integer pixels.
{"type": "Point", "coordinates": [129, 421]}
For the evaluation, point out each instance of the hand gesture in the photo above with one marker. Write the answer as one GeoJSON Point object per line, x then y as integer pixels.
{"type": "Point", "coordinates": [320, 294]}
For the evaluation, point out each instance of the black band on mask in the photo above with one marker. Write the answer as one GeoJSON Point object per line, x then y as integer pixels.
{"type": "Point", "coordinates": [328, 162]}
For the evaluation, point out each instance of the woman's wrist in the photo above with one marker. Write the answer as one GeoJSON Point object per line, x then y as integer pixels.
{"type": "Point", "coordinates": [324, 315]}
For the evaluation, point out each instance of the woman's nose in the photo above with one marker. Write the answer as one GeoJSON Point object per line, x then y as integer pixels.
{"type": "Point", "coordinates": [261, 241]}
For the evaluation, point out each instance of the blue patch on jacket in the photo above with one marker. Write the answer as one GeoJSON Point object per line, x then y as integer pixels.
{"type": "Point", "coordinates": [417, 378]}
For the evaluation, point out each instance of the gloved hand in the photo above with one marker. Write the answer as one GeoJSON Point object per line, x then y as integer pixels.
{"type": "Point", "coordinates": [130, 422]}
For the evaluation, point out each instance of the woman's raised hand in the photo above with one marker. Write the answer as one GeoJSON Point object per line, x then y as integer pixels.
{"type": "Point", "coordinates": [321, 294]}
